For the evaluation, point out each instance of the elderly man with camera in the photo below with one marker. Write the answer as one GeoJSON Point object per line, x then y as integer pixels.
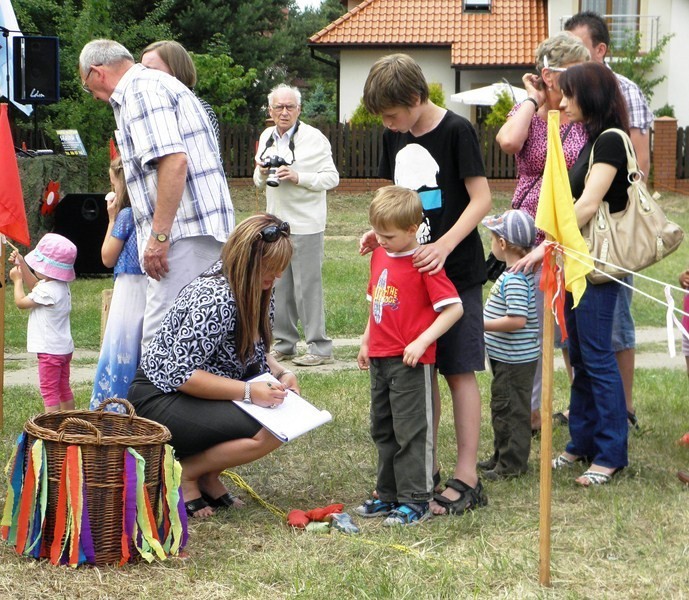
{"type": "Point", "coordinates": [295, 165]}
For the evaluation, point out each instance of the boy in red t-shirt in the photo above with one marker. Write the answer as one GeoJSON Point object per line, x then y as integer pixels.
{"type": "Point", "coordinates": [409, 311]}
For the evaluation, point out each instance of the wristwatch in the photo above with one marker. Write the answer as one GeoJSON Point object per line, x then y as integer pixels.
{"type": "Point", "coordinates": [247, 393]}
{"type": "Point", "coordinates": [161, 237]}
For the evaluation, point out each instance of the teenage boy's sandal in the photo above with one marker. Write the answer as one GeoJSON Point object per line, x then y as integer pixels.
{"type": "Point", "coordinates": [469, 498]}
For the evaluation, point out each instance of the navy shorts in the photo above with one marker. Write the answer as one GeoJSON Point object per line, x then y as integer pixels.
{"type": "Point", "coordinates": [461, 349]}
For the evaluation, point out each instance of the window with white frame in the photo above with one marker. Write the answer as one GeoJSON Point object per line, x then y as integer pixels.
{"type": "Point", "coordinates": [622, 17]}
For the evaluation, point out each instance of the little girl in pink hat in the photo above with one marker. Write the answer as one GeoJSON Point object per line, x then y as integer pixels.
{"type": "Point", "coordinates": [50, 302]}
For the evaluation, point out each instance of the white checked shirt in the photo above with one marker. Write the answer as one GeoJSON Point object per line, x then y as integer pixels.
{"type": "Point", "coordinates": [640, 115]}
{"type": "Point", "coordinates": [156, 116]}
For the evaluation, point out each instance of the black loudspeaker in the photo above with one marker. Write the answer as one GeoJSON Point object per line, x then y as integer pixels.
{"type": "Point", "coordinates": [36, 70]}
{"type": "Point", "coordinates": [83, 219]}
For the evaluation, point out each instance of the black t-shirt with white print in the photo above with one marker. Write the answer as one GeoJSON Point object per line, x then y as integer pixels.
{"type": "Point", "coordinates": [435, 165]}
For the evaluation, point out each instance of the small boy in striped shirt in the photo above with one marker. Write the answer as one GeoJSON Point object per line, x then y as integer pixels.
{"type": "Point", "coordinates": [512, 344]}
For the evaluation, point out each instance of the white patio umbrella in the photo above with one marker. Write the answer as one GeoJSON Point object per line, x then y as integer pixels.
{"type": "Point", "coordinates": [488, 95]}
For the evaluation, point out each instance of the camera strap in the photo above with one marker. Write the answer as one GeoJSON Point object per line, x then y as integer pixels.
{"type": "Point", "coordinates": [271, 140]}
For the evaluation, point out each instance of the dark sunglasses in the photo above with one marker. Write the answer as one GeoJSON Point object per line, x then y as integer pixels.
{"type": "Point", "coordinates": [272, 232]}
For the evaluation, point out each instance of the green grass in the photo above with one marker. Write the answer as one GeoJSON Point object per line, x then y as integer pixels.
{"type": "Point", "coordinates": [628, 539]}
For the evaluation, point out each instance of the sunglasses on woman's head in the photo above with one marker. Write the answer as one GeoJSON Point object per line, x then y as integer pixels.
{"type": "Point", "coordinates": [272, 232]}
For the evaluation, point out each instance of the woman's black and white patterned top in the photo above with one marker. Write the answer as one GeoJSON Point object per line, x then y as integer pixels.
{"type": "Point", "coordinates": [212, 117]}
{"type": "Point", "coordinates": [198, 332]}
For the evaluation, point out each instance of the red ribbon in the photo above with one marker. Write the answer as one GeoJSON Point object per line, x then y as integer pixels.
{"type": "Point", "coordinates": [553, 286]}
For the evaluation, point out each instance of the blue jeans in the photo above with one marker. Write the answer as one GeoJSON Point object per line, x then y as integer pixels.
{"type": "Point", "coordinates": [623, 334]}
{"type": "Point", "coordinates": [597, 411]}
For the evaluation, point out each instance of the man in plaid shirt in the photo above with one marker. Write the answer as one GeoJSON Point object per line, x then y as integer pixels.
{"type": "Point", "coordinates": [176, 181]}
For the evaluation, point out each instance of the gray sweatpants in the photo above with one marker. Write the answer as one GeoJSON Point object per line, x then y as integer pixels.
{"type": "Point", "coordinates": [402, 429]}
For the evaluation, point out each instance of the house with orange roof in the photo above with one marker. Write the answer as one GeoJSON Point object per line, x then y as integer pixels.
{"type": "Point", "coordinates": [465, 44]}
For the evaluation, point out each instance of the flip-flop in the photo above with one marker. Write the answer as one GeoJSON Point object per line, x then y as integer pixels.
{"type": "Point", "coordinates": [227, 500]}
{"type": "Point", "coordinates": [195, 505]}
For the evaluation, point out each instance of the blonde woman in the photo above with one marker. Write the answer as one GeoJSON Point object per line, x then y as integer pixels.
{"type": "Point", "coordinates": [172, 58]}
{"type": "Point", "coordinates": [217, 335]}
{"type": "Point", "coordinates": [525, 134]}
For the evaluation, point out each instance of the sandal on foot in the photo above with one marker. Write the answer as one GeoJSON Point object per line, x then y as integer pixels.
{"type": "Point", "coordinates": [469, 498]}
{"type": "Point", "coordinates": [408, 514]}
{"type": "Point", "coordinates": [562, 462]}
{"type": "Point", "coordinates": [593, 478]}
{"type": "Point", "coordinates": [195, 505]}
{"type": "Point", "coordinates": [561, 418]}
{"type": "Point", "coordinates": [436, 481]}
{"type": "Point", "coordinates": [375, 508]}
{"type": "Point", "coordinates": [227, 500]}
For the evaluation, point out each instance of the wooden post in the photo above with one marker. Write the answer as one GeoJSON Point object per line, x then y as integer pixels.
{"type": "Point", "coordinates": [106, 299]}
{"type": "Point", "coordinates": [546, 443]}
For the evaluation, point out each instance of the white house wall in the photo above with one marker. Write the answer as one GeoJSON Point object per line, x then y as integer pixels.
{"type": "Point", "coordinates": [356, 63]}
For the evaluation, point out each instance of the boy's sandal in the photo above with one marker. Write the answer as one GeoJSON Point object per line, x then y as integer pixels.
{"type": "Point", "coordinates": [408, 514]}
{"type": "Point", "coordinates": [195, 505]}
{"type": "Point", "coordinates": [469, 498]}
{"type": "Point", "coordinates": [436, 481]}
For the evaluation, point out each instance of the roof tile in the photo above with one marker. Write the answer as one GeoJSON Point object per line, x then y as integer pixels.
{"type": "Point", "coordinates": [506, 36]}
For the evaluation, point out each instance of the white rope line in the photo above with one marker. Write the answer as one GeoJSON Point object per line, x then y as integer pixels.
{"type": "Point", "coordinates": [669, 304]}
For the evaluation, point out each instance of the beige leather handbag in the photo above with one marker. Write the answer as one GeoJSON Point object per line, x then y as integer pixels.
{"type": "Point", "coordinates": [635, 238]}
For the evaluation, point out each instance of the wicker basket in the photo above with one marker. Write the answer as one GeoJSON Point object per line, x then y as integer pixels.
{"type": "Point", "coordinates": [103, 437]}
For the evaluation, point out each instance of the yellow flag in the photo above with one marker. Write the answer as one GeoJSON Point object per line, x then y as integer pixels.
{"type": "Point", "coordinates": [555, 214]}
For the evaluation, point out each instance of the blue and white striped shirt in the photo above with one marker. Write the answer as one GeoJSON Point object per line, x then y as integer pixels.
{"type": "Point", "coordinates": [156, 116]}
{"type": "Point", "coordinates": [513, 294]}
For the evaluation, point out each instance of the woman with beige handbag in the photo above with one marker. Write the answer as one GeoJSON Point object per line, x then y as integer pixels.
{"type": "Point", "coordinates": [598, 415]}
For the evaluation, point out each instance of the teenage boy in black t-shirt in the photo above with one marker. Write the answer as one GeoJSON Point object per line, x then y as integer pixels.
{"type": "Point", "coordinates": [435, 152]}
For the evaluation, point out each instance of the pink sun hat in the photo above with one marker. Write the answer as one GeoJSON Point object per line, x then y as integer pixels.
{"type": "Point", "coordinates": [53, 257]}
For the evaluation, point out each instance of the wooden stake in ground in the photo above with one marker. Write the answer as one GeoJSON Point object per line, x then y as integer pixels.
{"type": "Point", "coordinates": [546, 443]}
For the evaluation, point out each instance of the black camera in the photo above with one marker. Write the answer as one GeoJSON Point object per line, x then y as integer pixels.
{"type": "Point", "coordinates": [272, 163]}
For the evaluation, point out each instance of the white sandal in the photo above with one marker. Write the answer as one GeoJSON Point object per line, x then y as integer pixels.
{"type": "Point", "coordinates": [562, 462]}
{"type": "Point", "coordinates": [592, 478]}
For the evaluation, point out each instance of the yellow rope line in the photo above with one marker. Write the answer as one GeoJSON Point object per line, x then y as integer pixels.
{"type": "Point", "coordinates": [241, 484]}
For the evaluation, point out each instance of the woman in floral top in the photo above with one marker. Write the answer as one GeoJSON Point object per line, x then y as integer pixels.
{"type": "Point", "coordinates": [525, 134]}
{"type": "Point", "coordinates": [214, 338]}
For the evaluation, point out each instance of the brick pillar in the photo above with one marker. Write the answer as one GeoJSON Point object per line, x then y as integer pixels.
{"type": "Point", "coordinates": [664, 153]}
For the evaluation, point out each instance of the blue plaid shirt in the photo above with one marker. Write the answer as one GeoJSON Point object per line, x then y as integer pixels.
{"type": "Point", "coordinates": [156, 116]}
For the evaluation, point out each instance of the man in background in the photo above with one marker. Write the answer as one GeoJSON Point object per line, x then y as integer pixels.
{"type": "Point", "coordinates": [294, 164]}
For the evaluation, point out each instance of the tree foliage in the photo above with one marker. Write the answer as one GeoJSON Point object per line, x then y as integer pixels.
{"type": "Point", "coordinates": [637, 66]}
{"type": "Point", "coordinates": [498, 114]}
